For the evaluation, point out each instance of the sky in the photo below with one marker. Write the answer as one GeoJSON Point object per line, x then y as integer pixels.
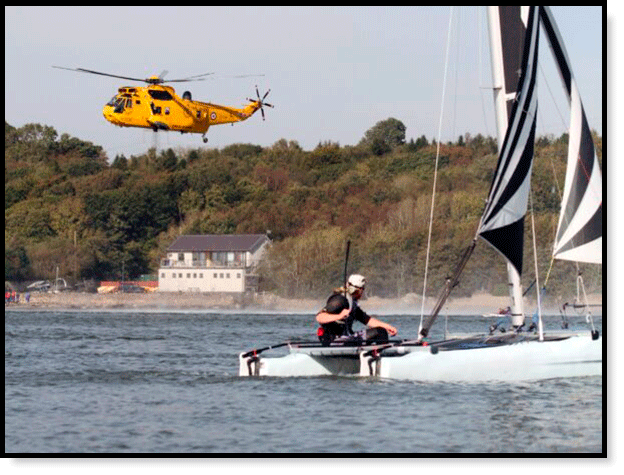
{"type": "Point", "coordinates": [333, 72]}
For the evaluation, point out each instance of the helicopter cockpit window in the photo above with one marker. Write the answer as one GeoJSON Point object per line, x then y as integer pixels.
{"type": "Point", "coordinates": [118, 103]}
{"type": "Point", "coordinates": [159, 95]}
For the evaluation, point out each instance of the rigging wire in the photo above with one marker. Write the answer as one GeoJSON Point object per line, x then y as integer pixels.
{"type": "Point", "coordinates": [435, 173]}
{"type": "Point", "coordinates": [541, 122]}
{"type": "Point", "coordinates": [580, 286]}
{"type": "Point", "coordinates": [544, 80]}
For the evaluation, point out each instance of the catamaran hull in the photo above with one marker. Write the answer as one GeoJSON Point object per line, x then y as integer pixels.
{"type": "Point", "coordinates": [533, 360]}
{"type": "Point", "coordinates": [299, 364]}
{"type": "Point", "coordinates": [521, 361]}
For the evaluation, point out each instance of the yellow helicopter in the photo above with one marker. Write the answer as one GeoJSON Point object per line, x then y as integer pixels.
{"type": "Point", "coordinates": [158, 107]}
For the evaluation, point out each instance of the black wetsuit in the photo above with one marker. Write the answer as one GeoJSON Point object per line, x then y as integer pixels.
{"type": "Point", "coordinates": [336, 304]}
{"type": "Point", "coordinates": [343, 329]}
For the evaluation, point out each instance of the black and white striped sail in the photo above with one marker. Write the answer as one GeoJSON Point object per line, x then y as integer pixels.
{"type": "Point", "coordinates": [502, 223]}
{"type": "Point", "coordinates": [579, 234]}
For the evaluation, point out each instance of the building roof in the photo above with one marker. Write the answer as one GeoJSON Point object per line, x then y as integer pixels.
{"type": "Point", "coordinates": [218, 242]}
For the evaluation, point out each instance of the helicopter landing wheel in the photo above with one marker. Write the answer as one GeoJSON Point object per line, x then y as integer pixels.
{"type": "Point", "coordinates": [205, 139]}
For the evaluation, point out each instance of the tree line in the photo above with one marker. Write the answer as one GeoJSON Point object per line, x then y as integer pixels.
{"type": "Point", "coordinates": [68, 206]}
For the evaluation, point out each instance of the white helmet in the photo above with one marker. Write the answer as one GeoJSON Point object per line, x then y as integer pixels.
{"type": "Point", "coordinates": [356, 281]}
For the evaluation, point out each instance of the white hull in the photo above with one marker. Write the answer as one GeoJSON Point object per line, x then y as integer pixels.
{"type": "Point", "coordinates": [527, 360]}
{"type": "Point", "coordinates": [320, 361]}
{"type": "Point", "coordinates": [575, 356]}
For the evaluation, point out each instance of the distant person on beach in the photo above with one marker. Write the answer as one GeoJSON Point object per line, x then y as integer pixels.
{"type": "Point", "coordinates": [342, 309]}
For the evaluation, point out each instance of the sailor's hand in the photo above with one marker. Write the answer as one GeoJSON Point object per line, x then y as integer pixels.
{"type": "Point", "coordinates": [390, 329]}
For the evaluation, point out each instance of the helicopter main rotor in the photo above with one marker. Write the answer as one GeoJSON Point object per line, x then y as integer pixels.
{"type": "Point", "coordinates": [151, 80]}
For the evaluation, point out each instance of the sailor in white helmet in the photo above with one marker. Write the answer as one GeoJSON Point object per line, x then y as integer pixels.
{"type": "Point", "coordinates": [341, 310]}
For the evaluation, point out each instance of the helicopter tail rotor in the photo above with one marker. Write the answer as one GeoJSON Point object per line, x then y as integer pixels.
{"type": "Point", "coordinates": [260, 101]}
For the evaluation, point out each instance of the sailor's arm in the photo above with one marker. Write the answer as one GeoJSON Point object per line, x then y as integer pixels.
{"type": "Point", "coordinates": [324, 317]}
{"type": "Point", "coordinates": [374, 323]}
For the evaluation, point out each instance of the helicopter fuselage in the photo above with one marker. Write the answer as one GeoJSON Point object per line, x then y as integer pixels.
{"type": "Point", "coordinates": [158, 107]}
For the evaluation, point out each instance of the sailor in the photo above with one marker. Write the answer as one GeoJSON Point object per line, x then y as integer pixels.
{"type": "Point", "coordinates": [342, 309]}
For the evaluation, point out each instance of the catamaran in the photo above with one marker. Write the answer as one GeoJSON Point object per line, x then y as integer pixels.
{"type": "Point", "coordinates": [517, 354]}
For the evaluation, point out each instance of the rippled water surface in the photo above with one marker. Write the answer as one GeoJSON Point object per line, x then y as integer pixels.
{"type": "Point", "coordinates": [148, 382]}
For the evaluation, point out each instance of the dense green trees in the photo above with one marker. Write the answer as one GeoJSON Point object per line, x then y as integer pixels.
{"type": "Point", "coordinates": [384, 136]}
{"type": "Point", "coordinates": [66, 206]}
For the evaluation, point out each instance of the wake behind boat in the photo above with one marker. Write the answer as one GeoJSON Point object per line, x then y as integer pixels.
{"type": "Point", "coordinates": [518, 354]}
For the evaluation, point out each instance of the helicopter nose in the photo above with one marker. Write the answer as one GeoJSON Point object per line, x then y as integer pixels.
{"type": "Point", "coordinates": [107, 113]}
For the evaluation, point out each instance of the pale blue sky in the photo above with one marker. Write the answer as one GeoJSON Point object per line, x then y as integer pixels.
{"type": "Point", "coordinates": [333, 71]}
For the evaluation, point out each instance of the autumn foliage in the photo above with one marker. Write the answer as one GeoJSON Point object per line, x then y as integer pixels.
{"type": "Point", "coordinates": [69, 205]}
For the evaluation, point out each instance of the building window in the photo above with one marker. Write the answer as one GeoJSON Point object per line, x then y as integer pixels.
{"type": "Point", "coordinates": [180, 275]}
{"type": "Point", "coordinates": [173, 275]}
{"type": "Point", "coordinates": [214, 275]}
{"type": "Point", "coordinates": [201, 276]}
{"type": "Point", "coordinates": [221, 275]}
{"type": "Point", "coordinates": [162, 275]}
{"type": "Point", "coordinates": [227, 258]}
{"type": "Point", "coordinates": [194, 275]}
{"type": "Point", "coordinates": [238, 276]}
{"type": "Point", "coordinates": [181, 257]}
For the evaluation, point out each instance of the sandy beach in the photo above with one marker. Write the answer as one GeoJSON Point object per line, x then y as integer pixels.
{"type": "Point", "coordinates": [477, 304]}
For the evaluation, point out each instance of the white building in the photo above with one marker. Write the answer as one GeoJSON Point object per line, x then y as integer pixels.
{"type": "Point", "coordinates": [212, 263]}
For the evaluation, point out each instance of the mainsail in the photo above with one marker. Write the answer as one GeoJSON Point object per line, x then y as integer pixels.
{"type": "Point", "coordinates": [502, 223]}
{"type": "Point", "coordinates": [579, 234]}
{"type": "Point", "coordinates": [514, 35]}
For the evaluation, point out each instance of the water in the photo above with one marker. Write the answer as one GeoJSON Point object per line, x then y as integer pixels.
{"type": "Point", "coordinates": [148, 382]}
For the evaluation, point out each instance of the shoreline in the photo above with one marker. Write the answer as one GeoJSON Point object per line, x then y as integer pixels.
{"type": "Point", "coordinates": [477, 304]}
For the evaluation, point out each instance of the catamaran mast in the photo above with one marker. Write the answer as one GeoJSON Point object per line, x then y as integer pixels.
{"type": "Point", "coordinates": [507, 34]}
{"type": "Point", "coordinates": [514, 39]}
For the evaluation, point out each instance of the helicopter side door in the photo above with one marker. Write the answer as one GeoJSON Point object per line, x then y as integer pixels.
{"type": "Point", "coordinates": [167, 111]}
